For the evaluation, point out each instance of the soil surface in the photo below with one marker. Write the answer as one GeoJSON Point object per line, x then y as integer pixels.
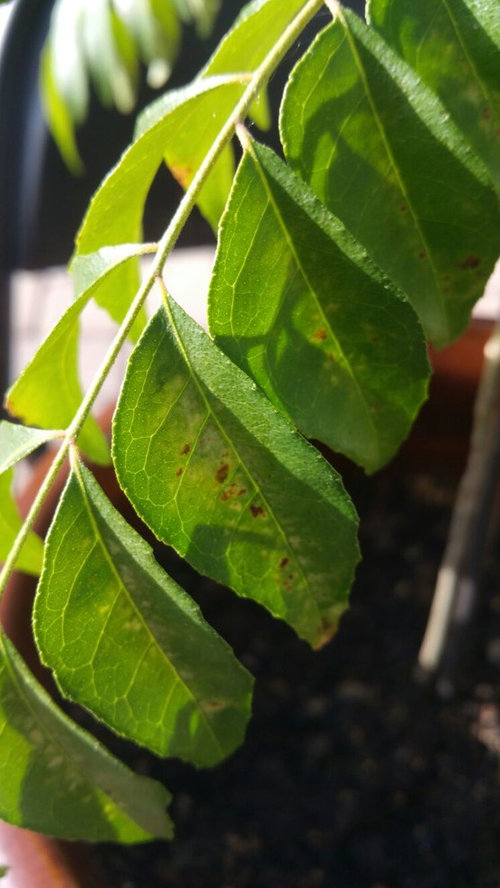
{"type": "Point", "coordinates": [352, 775]}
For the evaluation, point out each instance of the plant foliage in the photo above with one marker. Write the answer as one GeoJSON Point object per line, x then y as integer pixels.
{"type": "Point", "coordinates": [335, 267]}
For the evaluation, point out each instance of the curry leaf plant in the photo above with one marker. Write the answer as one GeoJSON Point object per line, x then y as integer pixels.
{"type": "Point", "coordinates": [339, 259]}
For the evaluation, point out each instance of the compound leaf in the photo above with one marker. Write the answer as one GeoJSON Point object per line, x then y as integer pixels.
{"type": "Point", "coordinates": [57, 779]}
{"type": "Point", "coordinates": [125, 641]}
{"type": "Point", "coordinates": [454, 47]}
{"type": "Point", "coordinates": [379, 150]}
{"type": "Point", "coordinates": [220, 474]}
{"type": "Point", "coordinates": [296, 303]}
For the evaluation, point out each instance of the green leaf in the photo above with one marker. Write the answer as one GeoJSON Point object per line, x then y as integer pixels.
{"type": "Point", "coordinates": [127, 642]}
{"type": "Point", "coordinates": [380, 151]}
{"type": "Point", "coordinates": [194, 113]}
{"type": "Point", "coordinates": [58, 116]}
{"type": "Point", "coordinates": [18, 441]}
{"type": "Point", "coordinates": [445, 43]}
{"type": "Point", "coordinates": [57, 779]}
{"type": "Point", "coordinates": [295, 302]}
{"type": "Point", "coordinates": [30, 557]}
{"type": "Point", "coordinates": [223, 477]}
{"type": "Point", "coordinates": [113, 275]}
{"type": "Point", "coordinates": [254, 33]}
{"type": "Point", "coordinates": [48, 391]}
{"type": "Point", "coordinates": [183, 125]}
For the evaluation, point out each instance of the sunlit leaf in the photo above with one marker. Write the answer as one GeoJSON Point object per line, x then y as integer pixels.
{"type": "Point", "coordinates": [296, 303]}
{"type": "Point", "coordinates": [219, 474]}
{"type": "Point", "coordinates": [127, 642]}
{"type": "Point", "coordinates": [30, 556]}
{"type": "Point", "coordinates": [183, 125]}
{"type": "Point", "coordinates": [48, 391]}
{"type": "Point", "coordinates": [455, 48]}
{"type": "Point", "coordinates": [382, 154]}
{"type": "Point", "coordinates": [198, 112]}
{"type": "Point", "coordinates": [58, 116]}
{"type": "Point", "coordinates": [259, 25]}
{"type": "Point", "coordinates": [18, 441]}
{"type": "Point", "coordinates": [57, 779]}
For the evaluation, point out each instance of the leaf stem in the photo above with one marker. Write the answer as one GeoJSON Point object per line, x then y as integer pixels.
{"type": "Point", "coordinates": [165, 247]}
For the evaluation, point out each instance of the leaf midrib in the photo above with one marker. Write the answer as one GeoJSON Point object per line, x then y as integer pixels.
{"type": "Point", "coordinates": [256, 485]}
{"type": "Point", "coordinates": [392, 160]}
{"type": "Point", "coordinates": [147, 629]}
{"type": "Point", "coordinates": [315, 299]}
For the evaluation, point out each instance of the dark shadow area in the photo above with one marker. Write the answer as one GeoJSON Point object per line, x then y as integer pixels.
{"type": "Point", "coordinates": [351, 776]}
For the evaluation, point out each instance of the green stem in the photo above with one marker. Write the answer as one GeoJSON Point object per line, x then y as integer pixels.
{"type": "Point", "coordinates": [165, 247]}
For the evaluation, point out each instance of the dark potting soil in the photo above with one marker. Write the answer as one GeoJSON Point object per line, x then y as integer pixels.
{"type": "Point", "coordinates": [352, 775]}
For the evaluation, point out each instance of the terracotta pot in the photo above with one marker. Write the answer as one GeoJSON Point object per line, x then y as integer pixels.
{"type": "Point", "coordinates": [439, 441]}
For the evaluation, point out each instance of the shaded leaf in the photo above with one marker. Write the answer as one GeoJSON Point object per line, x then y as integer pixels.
{"type": "Point", "coordinates": [445, 43]}
{"type": "Point", "coordinates": [222, 476]}
{"type": "Point", "coordinates": [126, 641]}
{"type": "Point", "coordinates": [380, 151]}
{"type": "Point", "coordinates": [18, 441]}
{"type": "Point", "coordinates": [57, 779]}
{"type": "Point", "coordinates": [31, 554]}
{"type": "Point", "coordinates": [48, 391]}
{"type": "Point", "coordinates": [296, 303]}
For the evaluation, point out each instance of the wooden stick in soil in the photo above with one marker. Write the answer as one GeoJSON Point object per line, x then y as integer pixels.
{"type": "Point", "coordinates": [458, 577]}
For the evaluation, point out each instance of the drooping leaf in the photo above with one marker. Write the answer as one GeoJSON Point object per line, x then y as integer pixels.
{"type": "Point", "coordinates": [48, 391]}
{"type": "Point", "coordinates": [218, 473]}
{"type": "Point", "coordinates": [296, 303]}
{"type": "Point", "coordinates": [126, 641]}
{"type": "Point", "coordinates": [456, 52]}
{"type": "Point", "coordinates": [58, 116]}
{"type": "Point", "coordinates": [57, 779]}
{"type": "Point", "coordinates": [380, 151]}
{"type": "Point", "coordinates": [196, 113]}
{"type": "Point", "coordinates": [103, 42]}
{"type": "Point", "coordinates": [31, 554]}
{"type": "Point", "coordinates": [18, 441]}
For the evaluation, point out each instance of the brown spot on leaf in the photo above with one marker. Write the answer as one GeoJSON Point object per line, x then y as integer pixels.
{"type": "Point", "coordinates": [326, 633]}
{"type": "Point", "coordinates": [320, 334]}
{"type": "Point", "coordinates": [470, 261]}
{"type": "Point", "coordinates": [182, 173]}
{"type": "Point", "coordinates": [403, 208]}
{"type": "Point", "coordinates": [213, 705]}
{"type": "Point", "coordinates": [256, 510]}
{"type": "Point", "coordinates": [232, 491]}
{"type": "Point", "coordinates": [422, 254]}
{"type": "Point", "coordinates": [179, 472]}
{"type": "Point", "coordinates": [185, 449]}
{"type": "Point", "coordinates": [222, 473]}
{"type": "Point", "coordinates": [283, 563]}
